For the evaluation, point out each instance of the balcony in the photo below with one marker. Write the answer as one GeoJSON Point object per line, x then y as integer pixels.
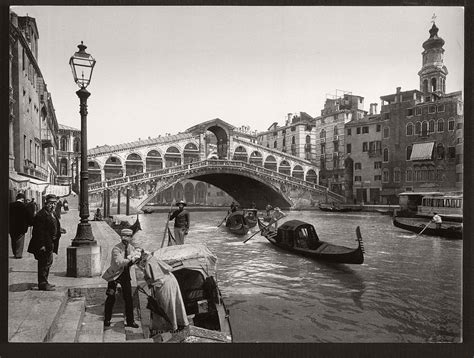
{"type": "Point", "coordinates": [34, 170]}
{"type": "Point", "coordinates": [374, 153]}
{"type": "Point", "coordinates": [46, 139]}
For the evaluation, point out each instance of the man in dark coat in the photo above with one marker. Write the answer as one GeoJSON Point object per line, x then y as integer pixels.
{"type": "Point", "coordinates": [57, 208]}
{"type": "Point", "coordinates": [45, 240]}
{"type": "Point", "coordinates": [19, 221]}
{"type": "Point", "coordinates": [181, 222]}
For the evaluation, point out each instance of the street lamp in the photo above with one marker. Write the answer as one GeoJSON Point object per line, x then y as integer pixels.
{"type": "Point", "coordinates": [82, 65]}
{"type": "Point", "coordinates": [83, 256]}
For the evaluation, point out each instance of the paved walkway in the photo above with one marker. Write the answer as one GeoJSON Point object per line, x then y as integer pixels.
{"type": "Point", "coordinates": [31, 312]}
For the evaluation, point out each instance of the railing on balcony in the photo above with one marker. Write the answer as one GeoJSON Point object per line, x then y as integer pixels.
{"type": "Point", "coordinates": [46, 138]}
{"type": "Point", "coordinates": [34, 170]}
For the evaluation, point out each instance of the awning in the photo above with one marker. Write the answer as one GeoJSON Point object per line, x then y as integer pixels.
{"type": "Point", "coordinates": [422, 151]}
{"type": "Point", "coordinates": [37, 185]}
{"type": "Point", "coordinates": [59, 190]}
{"type": "Point", "coordinates": [19, 182]}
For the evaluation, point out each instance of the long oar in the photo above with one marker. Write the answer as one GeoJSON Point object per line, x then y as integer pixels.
{"type": "Point", "coordinates": [224, 219]}
{"type": "Point", "coordinates": [421, 232]}
{"type": "Point", "coordinates": [270, 223]}
{"type": "Point", "coordinates": [167, 224]}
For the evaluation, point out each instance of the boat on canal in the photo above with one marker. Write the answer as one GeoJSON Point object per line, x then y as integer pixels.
{"type": "Point", "coordinates": [450, 230]}
{"type": "Point", "coordinates": [300, 237]}
{"type": "Point", "coordinates": [251, 217]}
{"type": "Point", "coordinates": [118, 227]}
{"type": "Point", "coordinates": [195, 268]}
{"type": "Point", "coordinates": [338, 208]}
{"type": "Point", "coordinates": [237, 224]}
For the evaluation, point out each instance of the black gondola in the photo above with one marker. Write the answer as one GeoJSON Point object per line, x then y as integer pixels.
{"type": "Point", "coordinates": [237, 224]}
{"type": "Point", "coordinates": [448, 230]}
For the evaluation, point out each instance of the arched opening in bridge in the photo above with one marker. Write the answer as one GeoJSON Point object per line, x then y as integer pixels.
{"type": "Point", "coordinates": [153, 161]}
{"type": "Point", "coordinates": [216, 139]}
{"type": "Point", "coordinates": [191, 153]}
{"type": "Point", "coordinates": [298, 172]}
{"type": "Point", "coordinates": [113, 168]}
{"type": "Point", "coordinates": [256, 158]}
{"type": "Point", "coordinates": [271, 163]}
{"type": "Point", "coordinates": [284, 167]}
{"type": "Point", "coordinates": [172, 157]}
{"type": "Point", "coordinates": [240, 153]}
{"type": "Point", "coordinates": [311, 176]}
{"type": "Point", "coordinates": [133, 164]}
{"type": "Point", "coordinates": [93, 169]}
{"type": "Point", "coordinates": [189, 192]}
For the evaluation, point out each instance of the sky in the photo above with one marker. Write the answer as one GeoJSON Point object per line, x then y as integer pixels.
{"type": "Point", "coordinates": [165, 69]}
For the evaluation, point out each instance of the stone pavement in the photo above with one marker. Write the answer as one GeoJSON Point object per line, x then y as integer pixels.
{"type": "Point", "coordinates": [32, 313]}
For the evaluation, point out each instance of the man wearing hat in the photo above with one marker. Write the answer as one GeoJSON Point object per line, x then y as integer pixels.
{"type": "Point", "coordinates": [19, 220]}
{"type": "Point", "coordinates": [119, 273]}
{"type": "Point", "coordinates": [181, 222]}
{"type": "Point", "coordinates": [45, 240]}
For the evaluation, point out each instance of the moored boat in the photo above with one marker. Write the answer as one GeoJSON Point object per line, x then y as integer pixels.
{"type": "Point", "coordinates": [450, 230]}
{"type": "Point", "coordinates": [195, 267]}
{"type": "Point", "coordinates": [300, 237]}
{"type": "Point", "coordinates": [251, 217]}
{"type": "Point", "coordinates": [237, 224]}
{"type": "Point", "coordinates": [338, 208]}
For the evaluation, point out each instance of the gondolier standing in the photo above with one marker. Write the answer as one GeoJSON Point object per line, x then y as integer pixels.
{"type": "Point", "coordinates": [181, 222]}
{"type": "Point", "coordinates": [437, 220]}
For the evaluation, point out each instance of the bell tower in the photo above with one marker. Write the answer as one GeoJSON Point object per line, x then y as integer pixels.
{"type": "Point", "coordinates": [433, 71]}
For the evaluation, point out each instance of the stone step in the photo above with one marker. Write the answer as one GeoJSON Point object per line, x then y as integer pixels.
{"type": "Point", "coordinates": [70, 321]}
{"type": "Point", "coordinates": [39, 320]}
{"type": "Point", "coordinates": [92, 327]}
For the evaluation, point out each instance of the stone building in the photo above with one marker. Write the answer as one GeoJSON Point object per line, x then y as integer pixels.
{"type": "Point", "coordinates": [69, 156]}
{"type": "Point", "coordinates": [33, 125]}
{"type": "Point", "coordinates": [422, 131]}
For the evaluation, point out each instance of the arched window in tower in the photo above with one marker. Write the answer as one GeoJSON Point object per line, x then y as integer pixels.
{"type": "Point", "coordinates": [64, 144]}
{"type": "Point", "coordinates": [425, 85]}
{"type": "Point", "coordinates": [433, 85]}
{"type": "Point", "coordinates": [385, 155]}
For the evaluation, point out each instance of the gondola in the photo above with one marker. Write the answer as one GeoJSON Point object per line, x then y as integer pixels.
{"type": "Point", "coordinates": [338, 209]}
{"type": "Point", "coordinates": [237, 224]}
{"type": "Point", "coordinates": [251, 217]}
{"type": "Point", "coordinates": [448, 230]}
{"type": "Point", "coordinates": [195, 268]}
{"type": "Point", "coordinates": [126, 225]}
{"type": "Point", "coordinates": [300, 237]}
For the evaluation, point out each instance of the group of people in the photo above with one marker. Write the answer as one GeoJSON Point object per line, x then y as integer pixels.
{"type": "Point", "coordinates": [45, 234]}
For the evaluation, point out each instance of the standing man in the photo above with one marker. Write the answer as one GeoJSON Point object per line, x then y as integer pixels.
{"type": "Point", "coordinates": [58, 207]}
{"type": "Point", "coordinates": [19, 221]}
{"type": "Point", "coordinates": [45, 240]}
{"type": "Point", "coordinates": [119, 273]}
{"type": "Point", "coordinates": [181, 222]}
{"type": "Point", "coordinates": [437, 220]}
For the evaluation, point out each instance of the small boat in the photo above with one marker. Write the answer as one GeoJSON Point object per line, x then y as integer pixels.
{"type": "Point", "coordinates": [126, 225]}
{"type": "Point", "coordinates": [251, 217]}
{"type": "Point", "coordinates": [195, 268]}
{"type": "Point", "coordinates": [300, 237]}
{"type": "Point", "coordinates": [384, 211]}
{"type": "Point", "coordinates": [338, 208]}
{"type": "Point", "coordinates": [449, 230]}
{"type": "Point", "coordinates": [237, 223]}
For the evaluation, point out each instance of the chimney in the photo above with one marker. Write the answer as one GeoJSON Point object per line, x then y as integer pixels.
{"type": "Point", "coordinates": [373, 108]}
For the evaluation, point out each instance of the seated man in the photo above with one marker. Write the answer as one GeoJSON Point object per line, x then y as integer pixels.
{"type": "Point", "coordinates": [98, 215]}
{"type": "Point", "coordinates": [165, 289]}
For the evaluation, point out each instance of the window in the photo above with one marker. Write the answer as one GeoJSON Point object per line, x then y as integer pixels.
{"type": "Point", "coordinates": [357, 178]}
{"type": "Point", "coordinates": [386, 116]}
{"type": "Point", "coordinates": [385, 155]}
{"type": "Point", "coordinates": [377, 165]}
{"type": "Point", "coordinates": [431, 174]}
{"type": "Point", "coordinates": [424, 128]}
{"type": "Point", "coordinates": [431, 109]}
{"type": "Point", "coordinates": [440, 151]}
{"type": "Point", "coordinates": [358, 130]}
{"type": "Point", "coordinates": [365, 147]}
{"type": "Point", "coordinates": [283, 142]}
{"type": "Point", "coordinates": [409, 149]}
{"type": "Point", "coordinates": [365, 129]}
{"type": "Point", "coordinates": [293, 140]}
{"type": "Point", "coordinates": [322, 134]}
{"type": "Point", "coordinates": [396, 175]}
{"type": "Point", "coordinates": [431, 126]}
{"type": "Point", "coordinates": [440, 125]}
{"type": "Point", "coordinates": [358, 166]}
{"type": "Point", "coordinates": [441, 108]}
{"type": "Point", "coordinates": [378, 128]}
{"type": "Point", "coordinates": [336, 146]}
{"type": "Point", "coordinates": [274, 144]}
{"type": "Point", "coordinates": [418, 128]}
{"type": "Point", "coordinates": [348, 148]}
{"type": "Point", "coordinates": [409, 175]}
{"type": "Point", "coordinates": [418, 111]}
{"type": "Point", "coordinates": [293, 128]}
{"type": "Point", "coordinates": [451, 152]}
{"type": "Point", "coordinates": [451, 125]}
{"type": "Point", "coordinates": [409, 112]}
{"type": "Point", "coordinates": [323, 148]}
{"type": "Point", "coordinates": [336, 131]}
{"type": "Point", "coordinates": [386, 132]}
{"type": "Point", "coordinates": [409, 129]}
{"type": "Point", "coordinates": [377, 177]}
{"type": "Point", "coordinates": [385, 176]}
{"type": "Point", "coordinates": [349, 131]}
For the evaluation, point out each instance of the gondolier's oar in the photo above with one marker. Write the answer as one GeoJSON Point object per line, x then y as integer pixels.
{"type": "Point", "coordinates": [224, 218]}
{"type": "Point", "coordinates": [421, 232]}
{"type": "Point", "coordinates": [167, 224]}
{"type": "Point", "coordinates": [270, 223]}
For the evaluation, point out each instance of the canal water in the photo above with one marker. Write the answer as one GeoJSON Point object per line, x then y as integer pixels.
{"type": "Point", "coordinates": [409, 289]}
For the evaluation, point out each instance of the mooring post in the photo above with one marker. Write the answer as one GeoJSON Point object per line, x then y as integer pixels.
{"type": "Point", "coordinates": [127, 206]}
{"type": "Point", "coordinates": [118, 202]}
{"type": "Point", "coordinates": [104, 196]}
{"type": "Point", "coordinates": [108, 202]}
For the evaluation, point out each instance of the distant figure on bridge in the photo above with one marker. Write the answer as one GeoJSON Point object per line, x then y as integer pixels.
{"type": "Point", "coordinates": [181, 222]}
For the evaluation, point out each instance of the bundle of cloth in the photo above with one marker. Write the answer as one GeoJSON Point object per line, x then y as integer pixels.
{"type": "Point", "coordinates": [165, 290]}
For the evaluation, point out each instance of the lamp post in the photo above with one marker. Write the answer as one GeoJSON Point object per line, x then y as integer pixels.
{"type": "Point", "coordinates": [83, 256]}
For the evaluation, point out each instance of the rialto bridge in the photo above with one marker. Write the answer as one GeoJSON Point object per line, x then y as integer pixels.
{"type": "Point", "coordinates": [213, 152]}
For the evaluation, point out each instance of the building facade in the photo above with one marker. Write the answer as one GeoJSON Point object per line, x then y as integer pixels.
{"type": "Point", "coordinates": [69, 156]}
{"type": "Point", "coordinates": [422, 131]}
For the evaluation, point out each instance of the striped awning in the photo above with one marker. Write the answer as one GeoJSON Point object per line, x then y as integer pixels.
{"type": "Point", "coordinates": [422, 151]}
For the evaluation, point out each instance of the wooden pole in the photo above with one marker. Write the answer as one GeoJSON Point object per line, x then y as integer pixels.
{"type": "Point", "coordinates": [127, 205]}
{"type": "Point", "coordinates": [118, 201]}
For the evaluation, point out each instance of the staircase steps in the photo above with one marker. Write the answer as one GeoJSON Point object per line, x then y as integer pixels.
{"type": "Point", "coordinates": [69, 322]}
{"type": "Point", "coordinates": [92, 325]}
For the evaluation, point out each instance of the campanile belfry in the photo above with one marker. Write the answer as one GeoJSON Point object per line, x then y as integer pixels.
{"type": "Point", "coordinates": [433, 71]}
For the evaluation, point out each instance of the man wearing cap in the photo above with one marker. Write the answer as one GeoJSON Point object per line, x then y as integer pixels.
{"type": "Point", "coordinates": [45, 240]}
{"type": "Point", "coordinates": [119, 273]}
{"type": "Point", "coordinates": [181, 223]}
{"type": "Point", "coordinates": [19, 220]}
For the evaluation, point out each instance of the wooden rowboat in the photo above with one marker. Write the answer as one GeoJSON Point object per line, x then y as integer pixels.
{"type": "Point", "coordinates": [449, 230]}
{"type": "Point", "coordinates": [237, 224]}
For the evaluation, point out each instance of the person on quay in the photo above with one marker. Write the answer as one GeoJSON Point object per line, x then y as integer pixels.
{"type": "Point", "coordinates": [58, 207]}
{"type": "Point", "coordinates": [45, 240]}
{"type": "Point", "coordinates": [181, 222]}
{"type": "Point", "coordinates": [98, 215]}
{"type": "Point", "coordinates": [19, 221]}
{"type": "Point", "coordinates": [65, 205]}
{"type": "Point", "coordinates": [437, 220]}
{"type": "Point", "coordinates": [119, 273]}
{"type": "Point", "coordinates": [165, 290]}
{"type": "Point", "coordinates": [32, 208]}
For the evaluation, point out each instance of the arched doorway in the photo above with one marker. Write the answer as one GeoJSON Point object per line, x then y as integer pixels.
{"type": "Point", "coordinates": [240, 153]}
{"type": "Point", "coordinates": [93, 169]}
{"type": "Point", "coordinates": [172, 157]}
{"type": "Point", "coordinates": [256, 158]}
{"type": "Point", "coordinates": [191, 153]}
{"type": "Point", "coordinates": [113, 168]}
{"type": "Point", "coordinates": [311, 176]}
{"type": "Point", "coordinates": [133, 164]}
{"type": "Point", "coordinates": [270, 163]}
{"type": "Point", "coordinates": [217, 139]}
{"type": "Point", "coordinates": [284, 167]}
{"type": "Point", "coordinates": [298, 172]}
{"type": "Point", "coordinates": [153, 161]}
